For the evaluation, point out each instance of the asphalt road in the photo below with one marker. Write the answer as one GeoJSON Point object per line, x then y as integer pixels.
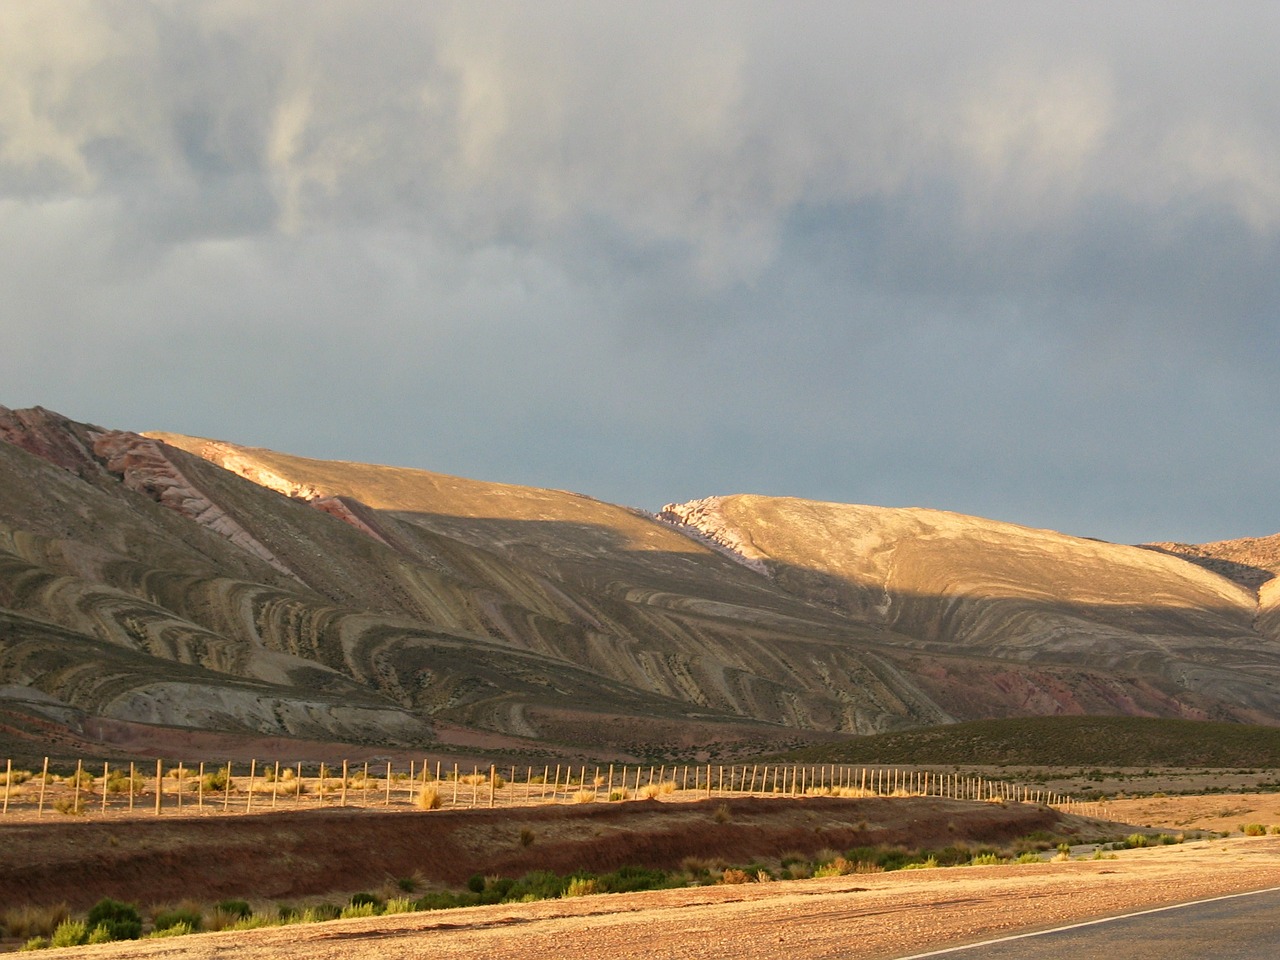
{"type": "Point", "coordinates": [1239, 927]}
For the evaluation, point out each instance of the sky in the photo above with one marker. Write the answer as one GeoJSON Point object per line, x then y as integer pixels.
{"type": "Point", "coordinates": [1007, 259]}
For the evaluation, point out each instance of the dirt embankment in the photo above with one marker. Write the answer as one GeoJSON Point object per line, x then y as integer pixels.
{"type": "Point", "coordinates": [873, 917]}
{"type": "Point", "coordinates": [284, 856]}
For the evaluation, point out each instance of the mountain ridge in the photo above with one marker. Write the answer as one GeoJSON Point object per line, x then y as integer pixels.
{"type": "Point", "coordinates": [547, 617]}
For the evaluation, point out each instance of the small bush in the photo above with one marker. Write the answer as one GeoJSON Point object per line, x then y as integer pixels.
{"type": "Point", "coordinates": [119, 782]}
{"type": "Point", "coordinates": [35, 943]}
{"type": "Point", "coordinates": [836, 867]}
{"type": "Point", "coordinates": [580, 887]}
{"type": "Point", "coordinates": [618, 795]}
{"type": "Point", "coordinates": [397, 905]}
{"type": "Point", "coordinates": [584, 796]}
{"type": "Point", "coordinates": [186, 914]}
{"type": "Point", "coordinates": [70, 933]}
{"type": "Point", "coordinates": [722, 814]}
{"type": "Point", "coordinates": [218, 781]}
{"type": "Point", "coordinates": [429, 799]}
{"type": "Point", "coordinates": [733, 875]}
{"type": "Point", "coordinates": [253, 923]}
{"type": "Point", "coordinates": [234, 908]}
{"type": "Point", "coordinates": [1136, 840]}
{"type": "Point", "coordinates": [99, 934]}
{"type": "Point", "coordinates": [319, 913]}
{"type": "Point", "coordinates": [1253, 829]}
{"type": "Point", "coordinates": [359, 910]}
{"type": "Point", "coordinates": [986, 860]}
{"type": "Point", "coordinates": [70, 806]}
{"type": "Point", "coordinates": [1028, 857]}
{"type": "Point", "coordinates": [177, 930]}
{"type": "Point", "coordinates": [121, 919]}
{"type": "Point", "coordinates": [527, 837]}
{"type": "Point", "coordinates": [15, 777]}
{"type": "Point", "coordinates": [928, 863]}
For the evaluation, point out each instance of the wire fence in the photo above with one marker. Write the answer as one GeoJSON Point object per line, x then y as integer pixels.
{"type": "Point", "coordinates": [209, 788]}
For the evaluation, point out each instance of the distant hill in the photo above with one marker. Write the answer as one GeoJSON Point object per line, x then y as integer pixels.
{"type": "Point", "coordinates": [1098, 742]}
{"type": "Point", "coordinates": [202, 585]}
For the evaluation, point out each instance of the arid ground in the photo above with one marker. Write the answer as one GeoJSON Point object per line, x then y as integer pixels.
{"type": "Point", "coordinates": [304, 857]}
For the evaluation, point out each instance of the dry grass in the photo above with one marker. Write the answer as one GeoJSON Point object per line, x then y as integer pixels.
{"type": "Point", "coordinates": [29, 921]}
{"type": "Point", "coordinates": [584, 796]}
{"type": "Point", "coordinates": [429, 799]}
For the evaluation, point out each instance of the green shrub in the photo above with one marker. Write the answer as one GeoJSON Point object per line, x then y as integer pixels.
{"type": "Point", "coordinates": [234, 908]}
{"type": "Point", "coordinates": [361, 899]}
{"type": "Point", "coordinates": [581, 887]}
{"type": "Point", "coordinates": [358, 910]}
{"type": "Point", "coordinates": [176, 930]}
{"type": "Point", "coordinates": [99, 934]}
{"type": "Point", "coordinates": [629, 879]}
{"type": "Point", "coordinates": [928, 863]}
{"type": "Point", "coordinates": [185, 915]}
{"type": "Point", "coordinates": [1135, 840]}
{"type": "Point", "coordinates": [1253, 829]}
{"type": "Point", "coordinates": [986, 860]}
{"type": "Point", "coordinates": [35, 943]}
{"type": "Point", "coordinates": [120, 919]}
{"type": "Point", "coordinates": [119, 782]}
{"type": "Point", "coordinates": [70, 933]}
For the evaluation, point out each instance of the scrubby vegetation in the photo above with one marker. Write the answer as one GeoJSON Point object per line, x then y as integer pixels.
{"type": "Point", "coordinates": [112, 920]}
{"type": "Point", "coordinates": [1064, 742]}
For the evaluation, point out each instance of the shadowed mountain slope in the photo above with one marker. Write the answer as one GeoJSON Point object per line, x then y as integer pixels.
{"type": "Point", "coordinates": [195, 583]}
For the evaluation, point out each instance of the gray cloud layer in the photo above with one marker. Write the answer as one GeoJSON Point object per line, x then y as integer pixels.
{"type": "Point", "coordinates": [1005, 259]}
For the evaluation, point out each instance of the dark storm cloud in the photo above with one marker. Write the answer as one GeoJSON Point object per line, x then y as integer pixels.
{"type": "Point", "coordinates": [1005, 259]}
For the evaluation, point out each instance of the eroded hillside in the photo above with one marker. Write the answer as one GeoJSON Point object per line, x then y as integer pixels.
{"type": "Point", "coordinates": [196, 583]}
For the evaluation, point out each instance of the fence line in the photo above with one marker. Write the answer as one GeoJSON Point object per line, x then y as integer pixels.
{"type": "Point", "coordinates": [271, 786]}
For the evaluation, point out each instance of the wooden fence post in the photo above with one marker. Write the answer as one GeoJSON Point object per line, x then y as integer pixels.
{"type": "Point", "coordinates": [344, 783]}
{"type": "Point", "coordinates": [253, 770]}
{"type": "Point", "coordinates": [179, 784]}
{"type": "Point", "coordinates": [275, 784]}
{"type": "Point", "coordinates": [75, 790]}
{"type": "Point", "coordinates": [388, 801]}
{"type": "Point", "coordinates": [226, 792]}
{"type": "Point", "coordinates": [105, 776]}
{"type": "Point", "coordinates": [159, 785]}
{"type": "Point", "coordinates": [199, 787]}
{"type": "Point", "coordinates": [8, 781]}
{"type": "Point", "coordinates": [44, 778]}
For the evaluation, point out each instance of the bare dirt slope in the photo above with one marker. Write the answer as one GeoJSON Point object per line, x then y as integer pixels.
{"type": "Point", "coordinates": [287, 856]}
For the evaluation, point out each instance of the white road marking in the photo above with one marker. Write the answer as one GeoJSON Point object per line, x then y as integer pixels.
{"type": "Point", "coordinates": [1087, 923]}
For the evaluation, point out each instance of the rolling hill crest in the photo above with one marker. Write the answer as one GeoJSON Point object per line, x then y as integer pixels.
{"type": "Point", "coordinates": [197, 584]}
